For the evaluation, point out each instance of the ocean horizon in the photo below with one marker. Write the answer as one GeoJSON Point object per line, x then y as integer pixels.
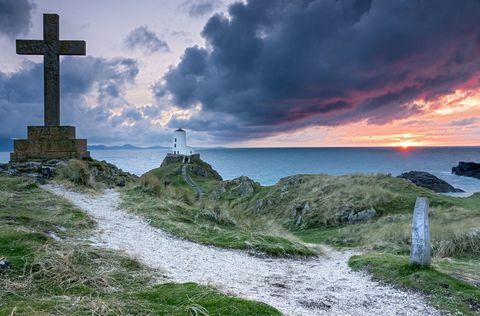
{"type": "Point", "coordinates": [268, 165]}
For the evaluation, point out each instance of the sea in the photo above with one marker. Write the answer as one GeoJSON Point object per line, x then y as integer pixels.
{"type": "Point", "coordinates": [268, 165]}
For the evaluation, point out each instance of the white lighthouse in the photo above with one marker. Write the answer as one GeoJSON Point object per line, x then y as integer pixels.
{"type": "Point", "coordinates": [180, 146]}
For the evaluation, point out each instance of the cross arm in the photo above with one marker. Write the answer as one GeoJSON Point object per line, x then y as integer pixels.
{"type": "Point", "coordinates": [73, 48]}
{"type": "Point", "coordinates": [30, 47]}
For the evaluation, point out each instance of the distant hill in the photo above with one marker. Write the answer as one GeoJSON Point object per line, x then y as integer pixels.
{"type": "Point", "coordinates": [123, 147]}
{"type": "Point", "coordinates": [6, 144]}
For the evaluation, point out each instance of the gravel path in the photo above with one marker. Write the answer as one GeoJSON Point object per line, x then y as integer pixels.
{"type": "Point", "coordinates": [318, 286]}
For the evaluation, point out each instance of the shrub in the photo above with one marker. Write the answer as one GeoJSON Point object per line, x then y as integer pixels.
{"type": "Point", "coordinates": [77, 172]}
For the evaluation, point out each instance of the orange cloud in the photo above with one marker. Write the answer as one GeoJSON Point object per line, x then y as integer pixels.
{"type": "Point", "coordinates": [449, 120]}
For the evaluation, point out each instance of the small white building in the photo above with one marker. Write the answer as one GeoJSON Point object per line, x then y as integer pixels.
{"type": "Point", "coordinates": [180, 146]}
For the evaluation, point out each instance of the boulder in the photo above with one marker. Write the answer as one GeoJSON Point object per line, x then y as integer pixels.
{"type": "Point", "coordinates": [4, 264]}
{"type": "Point", "coordinates": [300, 211]}
{"type": "Point", "coordinates": [429, 181]}
{"type": "Point", "coordinates": [241, 187]}
{"type": "Point", "coordinates": [354, 217]}
{"type": "Point", "coordinates": [467, 169]}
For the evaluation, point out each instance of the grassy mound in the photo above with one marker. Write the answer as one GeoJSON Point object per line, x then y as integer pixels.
{"type": "Point", "coordinates": [93, 174]}
{"type": "Point", "coordinates": [324, 209]}
{"type": "Point", "coordinates": [212, 224]}
{"type": "Point", "coordinates": [443, 291]}
{"type": "Point", "coordinates": [369, 211]}
{"type": "Point", "coordinates": [51, 276]}
{"type": "Point", "coordinates": [163, 196]}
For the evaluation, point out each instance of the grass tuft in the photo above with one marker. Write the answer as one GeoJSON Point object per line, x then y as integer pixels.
{"type": "Point", "coordinates": [78, 173]}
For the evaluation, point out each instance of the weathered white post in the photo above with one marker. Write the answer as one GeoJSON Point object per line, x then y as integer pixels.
{"type": "Point", "coordinates": [420, 254]}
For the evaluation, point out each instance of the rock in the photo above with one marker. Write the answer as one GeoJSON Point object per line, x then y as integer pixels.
{"type": "Point", "coordinates": [197, 165]}
{"type": "Point", "coordinates": [4, 264]}
{"type": "Point", "coordinates": [241, 186]}
{"type": "Point", "coordinates": [41, 171]}
{"type": "Point", "coordinates": [429, 181]}
{"type": "Point", "coordinates": [109, 174]}
{"type": "Point", "coordinates": [300, 212]}
{"type": "Point", "coordinates": [467, 169]}
{"type": "Point", "coordinates": [361, 216]}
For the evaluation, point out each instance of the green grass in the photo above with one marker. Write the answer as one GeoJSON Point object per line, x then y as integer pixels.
{"type": "Point", "coordinates": [462, 268]}
{"type": "Point", "coordinates": [212, 224]}
{"type": "Point", "coordinates": [442, 291]}
{"type": "Point", "coordinates": [190, 298]}
{"type": "Point", "coordinates": [70, 277]}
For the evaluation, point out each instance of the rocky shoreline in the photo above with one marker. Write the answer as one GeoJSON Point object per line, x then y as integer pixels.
{"type": "Point", "coordinates": [429, 181]}
{"type": "Point", "coordinates": [467, 169]}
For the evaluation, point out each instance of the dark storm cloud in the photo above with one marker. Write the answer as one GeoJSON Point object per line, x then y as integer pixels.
{"type": "Point", "coordinates": [143, 38]}
{"type": "Point", "coordinates": [272, 66]}
{"type": "Point", "coordinates": [196, 8]}
{"type": "Point", "coordinates": [15, 17]}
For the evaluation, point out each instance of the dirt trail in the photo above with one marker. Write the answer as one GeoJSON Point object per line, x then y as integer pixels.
{"type": "Point", "coordinates": [317, 286]}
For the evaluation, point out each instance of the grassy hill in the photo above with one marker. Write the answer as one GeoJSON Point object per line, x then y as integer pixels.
{"type": "Point", "coordinates": [371, 212]}
{"type": "Point", "coordinates": [53, 272]}
{"type": "Point", "coordinates": [169, 202]}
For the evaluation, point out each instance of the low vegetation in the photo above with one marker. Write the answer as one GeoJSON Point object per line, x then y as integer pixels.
{"type": "Point", "coordinates": [314, 208]}
{"type": "Point", "coordinates": [92, 174]}
{"type": "Point", "coordinates": [170, 203]}
{"type": "Point", "coordinates": [443, 291]}
{"type": "Point", "coordinates": [372, 212]}
{"type": "Point", "coordinates": [211, 224]}
{"type": "Point", "coordinates": [53, 271]}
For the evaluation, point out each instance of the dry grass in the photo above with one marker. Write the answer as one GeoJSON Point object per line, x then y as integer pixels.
{"type": "Point", "coordinates": [454, 232]}
{"type": "Point", "coordinates": [78, 173]}
{"type": "Point", "coordinates": [162, 189]}
{"type": "Point", "coordinates": [67, 267]}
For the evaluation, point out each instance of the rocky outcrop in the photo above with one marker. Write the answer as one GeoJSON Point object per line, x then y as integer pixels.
{"type": "Point", "coordinates": [300, 211]}
{"type": "Point", "coordinates": [109, 174]}
{"type": "Point", "coordinates": [238, 187]}
{"type": "Point", "coordinates": [429, 181]}
{"type": "Point", "coordinates": [196, 165]}
{"type": "Point", "coordinates": [354, 217]}
{"type": "Point", "coordinates": [467, 169]}
{"type": "Point", "coordinates": [42, 171]}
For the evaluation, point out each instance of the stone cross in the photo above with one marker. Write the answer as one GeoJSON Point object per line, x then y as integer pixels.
{"type": "Point", "coordinates": [51, 47]}
{"type": "Point", "coordinates": [420, 254]}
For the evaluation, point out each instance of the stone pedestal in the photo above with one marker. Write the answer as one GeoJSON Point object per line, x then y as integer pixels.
{"type": "Point", "coordinates": [49, 142]}
{"type": "Point", "coordinates": [420, 254]}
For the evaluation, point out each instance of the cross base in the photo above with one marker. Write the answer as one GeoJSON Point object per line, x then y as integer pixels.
{"type": "Point", "coordinates": [49, 142]}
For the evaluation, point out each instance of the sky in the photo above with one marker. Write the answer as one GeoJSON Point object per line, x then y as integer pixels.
{"type": "Point", "coordinates": [256, 73]}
